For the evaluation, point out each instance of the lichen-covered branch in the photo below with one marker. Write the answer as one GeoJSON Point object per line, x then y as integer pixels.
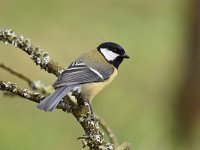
{"type": "Point", "coordinates": [93, 137]}
{"type": "Point", "coordinates": [82, 110]}
{"type": "Point", "coordinates": [39, 56]}
{"type": "Point", "coordinates": [25, 93]}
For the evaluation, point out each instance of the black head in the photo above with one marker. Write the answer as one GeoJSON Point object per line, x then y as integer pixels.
{"type": "Point", "coordinates": [113, 53]}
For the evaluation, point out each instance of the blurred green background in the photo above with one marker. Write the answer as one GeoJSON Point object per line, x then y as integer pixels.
{"type": "Point", "coordinates": [141, 106]}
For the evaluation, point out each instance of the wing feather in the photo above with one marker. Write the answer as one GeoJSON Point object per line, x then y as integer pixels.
{"type": "Point", "coordinates": [80, 73]}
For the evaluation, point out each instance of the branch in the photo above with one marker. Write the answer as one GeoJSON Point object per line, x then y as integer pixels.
{"type": "Point", "coordinates": [93, 137]}
{"type": "Point", "coordinates": [25, 93]}
{"type": "Point", "coordinates": [21, 76]}
{"type": "Point", "coordinates": [108, 131]}
{"type": "Point", "coordinates": [39, 56]}
{"type": "Point", "coordinates": [35, 85]}
{"type": "Point", "coordinates": [81, 110]}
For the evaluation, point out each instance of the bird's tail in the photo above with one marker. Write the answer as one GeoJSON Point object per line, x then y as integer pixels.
{"type": "Point", "coordinates": [50, 103]}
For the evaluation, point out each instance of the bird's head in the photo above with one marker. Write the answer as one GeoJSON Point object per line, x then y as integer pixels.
{"type": "Point", "coordinates": [113, 53]}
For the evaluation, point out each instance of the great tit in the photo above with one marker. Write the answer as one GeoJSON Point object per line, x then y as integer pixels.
{"type": "Point", "coordinates": [88, 75]}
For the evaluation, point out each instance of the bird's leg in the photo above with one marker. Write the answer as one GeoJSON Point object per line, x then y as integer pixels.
{"type": "Point", "coordinates": [76, 94]}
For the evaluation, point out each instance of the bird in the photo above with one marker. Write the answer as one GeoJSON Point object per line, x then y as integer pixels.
{"type": "Point", "coordinates": [88, 75]}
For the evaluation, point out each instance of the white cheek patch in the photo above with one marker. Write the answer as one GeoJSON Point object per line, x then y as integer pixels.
{"type": "Point", "coordinates": [109, 55]}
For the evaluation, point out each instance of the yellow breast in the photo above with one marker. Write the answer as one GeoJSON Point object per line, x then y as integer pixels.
{"type": "Point", "coordinates": [90, 90]}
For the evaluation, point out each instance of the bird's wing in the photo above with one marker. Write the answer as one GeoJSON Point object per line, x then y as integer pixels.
{"type": "Point", "coordinates": [80, 73]}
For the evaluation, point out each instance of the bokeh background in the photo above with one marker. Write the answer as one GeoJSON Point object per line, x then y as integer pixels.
{"type": "Point", "coordinates": [153, 103]}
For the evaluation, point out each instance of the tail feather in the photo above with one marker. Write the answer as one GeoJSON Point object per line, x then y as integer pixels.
{"type": "Point", "coordinates": [51, 102]}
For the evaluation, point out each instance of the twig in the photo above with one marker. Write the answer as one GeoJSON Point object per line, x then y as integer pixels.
{"type": "Point", "coordinates": [124, 146]}
{"type": "Point", "coordinates": [19, 75]}
{"type": "Point", "coordinates": [35, 85]}
{"type": "Point", "coordinates": [108, 131]}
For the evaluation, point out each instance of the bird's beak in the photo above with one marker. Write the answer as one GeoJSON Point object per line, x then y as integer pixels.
{"type": "Point", "coordinates": [125, 56]}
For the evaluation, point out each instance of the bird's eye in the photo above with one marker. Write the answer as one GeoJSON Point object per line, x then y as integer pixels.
{"type": "Point", "coordinates": [114, 50]}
